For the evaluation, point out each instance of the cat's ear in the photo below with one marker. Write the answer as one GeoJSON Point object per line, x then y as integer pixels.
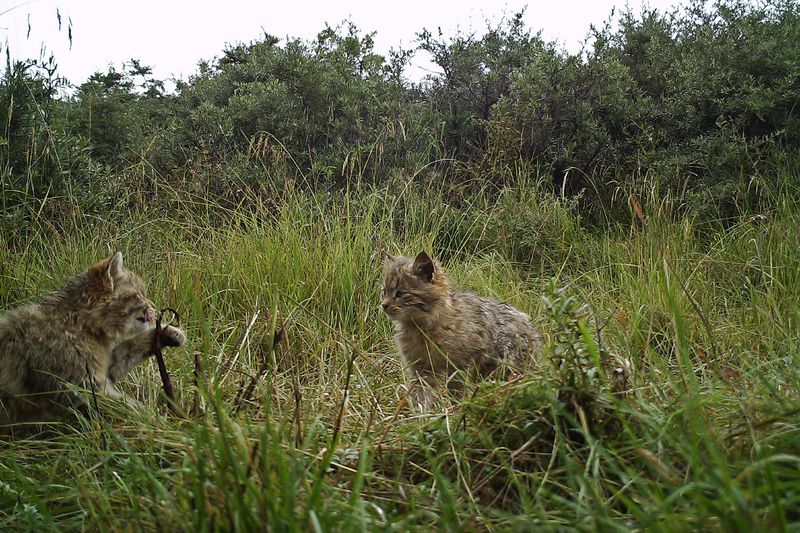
{"type": "Point", "coordinates": [115, 266]}
{"type": "Point", "coordinates": [423, 267]}
{"type": "Point", "coordinates": [101, 275]}
{"type": "Point", "coordinates": [386, 257]}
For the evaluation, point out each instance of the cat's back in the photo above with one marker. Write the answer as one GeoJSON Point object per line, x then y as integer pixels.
{"type": "Point", "coordinates": [504, 330]}
{"type": "Point", "coordinates": [22, 322]}
{"type": "Point", "coordinates": [48, 335]}
{"type": "Point", "coordinates": [21, 332]}
{"type": "Point", "coordinates": [52, 316]}
{"type": "Point", "coordinates": [29, 334]}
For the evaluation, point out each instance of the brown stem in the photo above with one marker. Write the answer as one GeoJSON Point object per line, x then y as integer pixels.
{"type": "Point", "coordinates": [337, 425]}
{"type": "Point", "coordinates": [162, 368]}
{"type": "Point", "coordinates": [199, 376]}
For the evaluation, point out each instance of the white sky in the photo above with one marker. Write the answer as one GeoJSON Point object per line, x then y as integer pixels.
{"type": "Point", "coordinates": [173, 35]}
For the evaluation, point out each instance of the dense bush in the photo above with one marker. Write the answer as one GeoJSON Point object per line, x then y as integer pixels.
{"type": "Point", "coordinates": [700, 103]}
{"type": "Point", "coordinates": [698, 100]}
{"type": "Point", "coordinates": [123, 115]}
{"type": "Point", "coordinates": [476, 73]}
{"type": "Point", "coordinates": [327, 105]}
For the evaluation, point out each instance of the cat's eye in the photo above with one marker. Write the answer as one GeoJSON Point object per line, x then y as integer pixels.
{"type": "Point", "coordinates": [399, 294]}
{"type": "Point", "coordinates": [141, 319]}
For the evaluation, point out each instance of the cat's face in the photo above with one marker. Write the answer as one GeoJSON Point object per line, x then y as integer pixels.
{"type": "Point", "coordinates": [412, 287]}
{"type": "Point", "coordinates": [138, 312]}
{"type": "Point", "coordinates": [116, 299]}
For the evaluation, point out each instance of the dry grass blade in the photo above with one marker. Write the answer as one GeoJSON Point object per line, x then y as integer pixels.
{"type": "Point", "coordinates": [298, 397]}
{"type": "Point", "coordinates": [345, 396]}
{"type": "Point", "coordinates": [245, 394]}
{"type": "Point", "coordinates": [226, 365]}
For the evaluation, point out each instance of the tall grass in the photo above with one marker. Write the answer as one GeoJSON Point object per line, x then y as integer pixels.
{"type": "Point", "coordinates": [702, 322]}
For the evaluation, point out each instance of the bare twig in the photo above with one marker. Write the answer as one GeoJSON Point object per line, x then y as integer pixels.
{"type": "Point", "coordinates": [162, 368]}
{"type": "Point", "coordinates": [94, 400]}
{"type": "Point", "coordinates": [244, 395]}
{"type": "Point", "coordinates": [91, 385]}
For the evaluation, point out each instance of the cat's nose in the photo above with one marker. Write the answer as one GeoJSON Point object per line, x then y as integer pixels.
{"type": "Point", "coordinates": [385, 305]}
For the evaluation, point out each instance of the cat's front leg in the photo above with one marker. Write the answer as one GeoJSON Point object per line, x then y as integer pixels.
{"type": "Point", "coordinates": [421, 389]}
{"type": "Point", "coordinates": [111, 391]}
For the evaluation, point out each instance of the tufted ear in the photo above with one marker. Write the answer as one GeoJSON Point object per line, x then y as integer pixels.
{"type": "Point", "coordinates": [386, 257]}
{"type": "Point", "coordinates": [423, 267]}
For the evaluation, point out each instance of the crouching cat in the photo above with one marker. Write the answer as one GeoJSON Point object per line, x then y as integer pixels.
{"type": "Point", "coordinates": [89, 333]}
{"type": "Point", "coordinates": [440, 331]}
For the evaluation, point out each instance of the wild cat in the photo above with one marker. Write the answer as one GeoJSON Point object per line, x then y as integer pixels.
{"type": "Point", "coordinates": [89, 333]}
{"type": "Point", "coordinates": [440, 331]}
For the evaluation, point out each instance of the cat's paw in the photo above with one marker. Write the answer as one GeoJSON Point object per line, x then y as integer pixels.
{"type": "Point", "coordinates": [421, 397]}
{"type": "Point", "coordinates": [133, 403]}
{"type": "Point", "coordinates": [172, 336]}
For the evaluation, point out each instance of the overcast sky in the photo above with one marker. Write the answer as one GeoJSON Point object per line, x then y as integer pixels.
{"type": "Point", "coordinates": [173, 35]}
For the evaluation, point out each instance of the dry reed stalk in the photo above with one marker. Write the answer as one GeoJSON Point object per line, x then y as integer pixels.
{"type": "Point", "coordinates": [226, 365]}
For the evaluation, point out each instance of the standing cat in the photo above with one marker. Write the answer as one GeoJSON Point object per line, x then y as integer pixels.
{"type": "Point", "coordinates": [440, 331]}
{"type": "Point", "coordinates": [89, 333]}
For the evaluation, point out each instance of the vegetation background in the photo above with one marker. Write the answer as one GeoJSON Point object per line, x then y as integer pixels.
{"type": "Point", "coordinates": [638, 198]}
